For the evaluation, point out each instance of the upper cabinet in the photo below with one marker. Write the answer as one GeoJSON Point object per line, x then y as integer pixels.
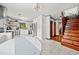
{"type": "Point", "coordinates": [3, 11]}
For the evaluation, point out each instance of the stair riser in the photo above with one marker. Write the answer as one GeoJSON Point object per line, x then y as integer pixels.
{"type": "Point", "coordinates": [72, 29]}
{"type": "Point", "coordinates": [70, 46]}
{"type": "Point", "coordinates": [72, 39]}
{"type": "Point", "coordinates": [71, 34]}
{"type": "Point", "coordinates": [73, 20]}
{"type": "Point", "coordinates": [75, 25]}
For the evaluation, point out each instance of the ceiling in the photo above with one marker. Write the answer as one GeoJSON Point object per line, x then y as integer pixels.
{"type": "Point", "coordinates": [18, 10]}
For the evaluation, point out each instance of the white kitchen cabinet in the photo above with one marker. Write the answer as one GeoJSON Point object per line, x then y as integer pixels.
{"type": "Point", "coordinates": [5, 36]}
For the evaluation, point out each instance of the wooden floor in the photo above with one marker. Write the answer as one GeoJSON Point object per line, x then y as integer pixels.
{"type": "Point", "coordinates": [56, 38]}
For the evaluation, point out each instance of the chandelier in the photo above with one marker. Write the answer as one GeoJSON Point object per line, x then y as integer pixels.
{"type": "Point", "coordinates": [37, 6]}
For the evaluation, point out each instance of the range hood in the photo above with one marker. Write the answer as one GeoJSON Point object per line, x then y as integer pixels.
{"type": "Point", "coordinates": [3, 11]}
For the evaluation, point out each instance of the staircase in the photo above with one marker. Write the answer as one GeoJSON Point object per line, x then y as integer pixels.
{"type": "Point", "coordinates": [71, 34]}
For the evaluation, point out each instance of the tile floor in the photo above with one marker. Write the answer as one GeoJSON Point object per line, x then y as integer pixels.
{"type": "Point", "coordinates": [51, 47]}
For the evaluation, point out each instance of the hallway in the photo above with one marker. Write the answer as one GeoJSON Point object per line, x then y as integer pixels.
{"type": "Point", "coordinates": [30, 25]}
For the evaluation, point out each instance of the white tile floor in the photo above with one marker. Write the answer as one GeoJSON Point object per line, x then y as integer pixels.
{"type": "Point", "coordinates": [51, 47]}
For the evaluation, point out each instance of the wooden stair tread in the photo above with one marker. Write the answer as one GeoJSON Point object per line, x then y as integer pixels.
{"type": "Point", "coordinates": [70, 25]}
{"type": "Point", "coordinates": [70, 46]}
{"type": "Point", "coordinates": [73, 20]}
{"type": "Point", "coordinates": [66, 40]}
{"type": "Point", "coordinates": [71, 38]}
{"type": "Point", "coordinates": [72, 34]}
{"type": "Point", "coordinates": [72, 31]}
{"type": "Point", "coordinates": [75, 43]}
{"type": "Point", "coordinates": [70, 42]}
{"type": "Point", "coordinates": [72, 28]}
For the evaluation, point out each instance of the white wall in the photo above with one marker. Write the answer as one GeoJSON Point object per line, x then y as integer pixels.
{"type": "Point", "coordinates": [46, 26]}
{"type": "Point", "coordinates": [72, 11]}
{"type": "Point", "coordinates": [43, 26]}
{"type": "Point", "coordinates": [57, 28]}
{"type": "Point", "coordinates": [39, 27]}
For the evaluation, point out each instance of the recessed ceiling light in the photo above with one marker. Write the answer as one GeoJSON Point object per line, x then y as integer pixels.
{"type": "Point", "coordinates": [19, 14]}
